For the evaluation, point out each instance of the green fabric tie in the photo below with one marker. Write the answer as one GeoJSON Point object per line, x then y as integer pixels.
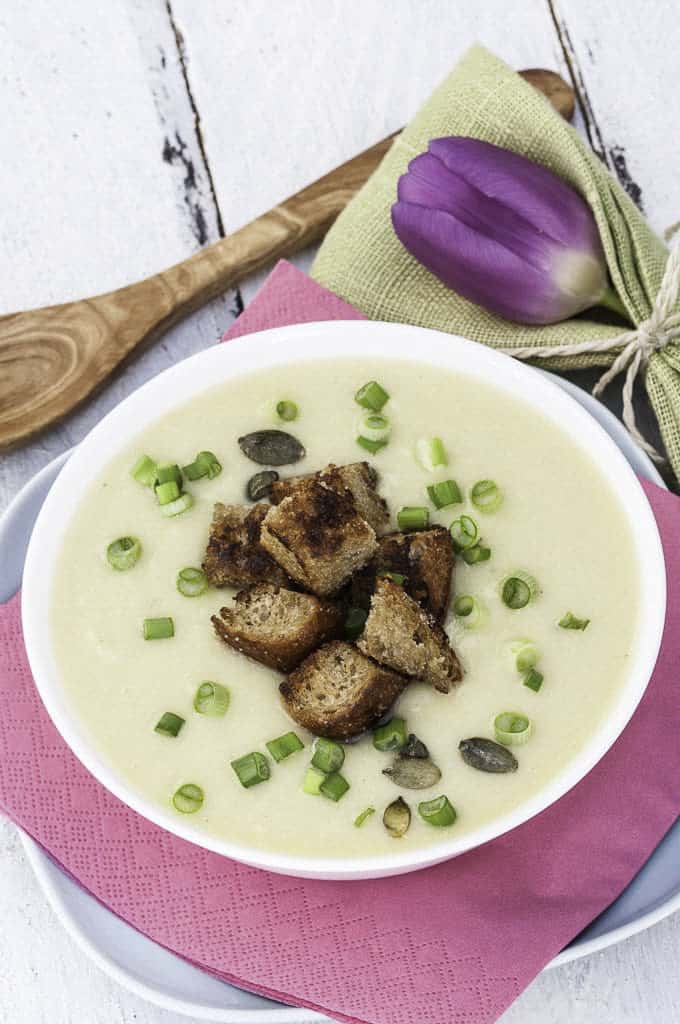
{"type": "Point", "coordinates": [363, 261]}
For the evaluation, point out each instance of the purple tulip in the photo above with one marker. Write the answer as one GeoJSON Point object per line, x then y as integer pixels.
{"type": "Point", "coordinates": [501, 230]}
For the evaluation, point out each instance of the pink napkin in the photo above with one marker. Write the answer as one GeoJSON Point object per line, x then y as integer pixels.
{"type": "Point", "coordinates": [455, 943]}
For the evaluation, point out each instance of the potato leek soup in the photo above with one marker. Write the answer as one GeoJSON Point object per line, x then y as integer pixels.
{"type": "Point", "coordinates": [338, 608]}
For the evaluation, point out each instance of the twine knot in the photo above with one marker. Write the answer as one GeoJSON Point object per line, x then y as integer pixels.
{"type": "Point", "coordinates": [637, 346]}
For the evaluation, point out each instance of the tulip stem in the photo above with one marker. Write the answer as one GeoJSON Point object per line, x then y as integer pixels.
{"type": "Point", "coordinates": [610, 300]}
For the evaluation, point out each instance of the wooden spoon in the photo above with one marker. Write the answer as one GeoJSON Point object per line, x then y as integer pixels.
{"type": "Point", "coordinates": [52, 358]}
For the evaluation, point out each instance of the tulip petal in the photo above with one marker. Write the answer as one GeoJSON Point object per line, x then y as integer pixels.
{"type": "Point", "coordinates": [526, 187]}
{"type": "Point", "coordinates": [430, 184]}
{"type": "Point", "coordinates": [501, 230]}
{"type": "Point", "coordinates": [480, 269]}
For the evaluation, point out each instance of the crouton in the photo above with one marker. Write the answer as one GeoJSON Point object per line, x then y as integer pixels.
{"type": "Point", "coordinates": [277, 627]}
{"type": "Point", "coordinates": [358, 477]}
{"type": "Point", "coordinates": [234, 556]}
{"type": "Point", "coordinates": [404, 637]}
{"type": "Point", "coordinates": [425, 558]}
{"type": "Point", "coordinates": [339, 693]}
{"type": "Point", "coordinates": [317, 536]}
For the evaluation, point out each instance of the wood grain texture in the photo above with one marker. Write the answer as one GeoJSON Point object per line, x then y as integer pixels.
{"type": "Point", "coordinates": [262, 74]}
{"type": "Point", "coordinates": [341, 73]}
{"type": "Point", "coordinates": [52, 358]}
{"type": "Point", "coordinates": [90, 100]}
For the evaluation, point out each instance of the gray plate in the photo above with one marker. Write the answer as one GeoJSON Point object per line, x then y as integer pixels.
{"type": "Point", "coordinates": [166, 980]}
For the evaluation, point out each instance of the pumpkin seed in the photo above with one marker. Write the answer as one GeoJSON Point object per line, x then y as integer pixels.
{"type": "Point", "coordinates": [259, 486]}
{"type": "Point", "coordinates": [487, 755]}
{"type": "Point", "coordinates": [271, 447]}
{"type": "Point", "coordinates": [397, 818]}
{"type": "Point", "coordinates": [411, 773]}
{"type": "Point", "coordinates": [414, 747]}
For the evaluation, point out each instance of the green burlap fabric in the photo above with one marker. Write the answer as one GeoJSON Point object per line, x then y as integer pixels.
{"type": "Point", "coordinates": [363, 261]}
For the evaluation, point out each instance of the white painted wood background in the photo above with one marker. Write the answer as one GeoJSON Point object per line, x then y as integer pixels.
{"type": "Point", "coordinates": [134, 131]}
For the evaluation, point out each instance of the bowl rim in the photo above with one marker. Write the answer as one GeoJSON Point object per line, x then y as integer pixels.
{"type": "Point", "coordinates": [320, 341]}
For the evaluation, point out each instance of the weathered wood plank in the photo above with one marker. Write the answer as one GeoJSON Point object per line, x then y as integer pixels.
{"type": "Point", "coordinates": [100, 154]}
{"type": "Point", "coordinates": [105, 149]}
{"type": "Point", "coordinates": [287, 94]}
{"type": "Point", "coordinates": [625, 64]}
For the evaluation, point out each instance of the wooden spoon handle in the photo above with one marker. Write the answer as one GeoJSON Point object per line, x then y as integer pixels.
{"type": "Point", "coordinates": [302, 219]}
{"type": "Point", "coordinates": [52, 358]}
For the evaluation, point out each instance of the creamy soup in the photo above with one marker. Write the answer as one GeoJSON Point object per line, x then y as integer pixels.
{"type": "Point", "coordinates": [558, 521]}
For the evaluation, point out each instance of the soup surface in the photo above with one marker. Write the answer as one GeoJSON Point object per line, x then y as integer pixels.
{"type": "Point", "coordinates": [558, 521]}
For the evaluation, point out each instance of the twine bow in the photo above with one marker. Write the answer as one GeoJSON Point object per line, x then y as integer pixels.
{"type": "Point", "coordinates": [637, 347]}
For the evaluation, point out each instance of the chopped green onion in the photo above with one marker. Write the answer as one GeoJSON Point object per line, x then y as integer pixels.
{"type": "Point", "coordinates": [391, 735]}
{"type": "Point", "coordinates": [287, 411]}
{"type": "Point", "coordinates": [570, 621]}
{"type": "Point", "coordinates": [361, 818]}
{"type": "Point", "coordinates": [533, 679]}
{"type": "Point", "coordinates": [470, 610]}
{"type": "Point", "coordinates": [374, 426]}
{"type": "Point", "coordinates": [413, 517]}
{"type": "Point", "coordinates": [158, 629]}
{"type": "Point", "coordinates": [191, 582]}
{"type": "Point", "coordinates": [464, 533]}
{"type": "Point", "coordinates": [355, 622]}
{"type": "Point", "coordinates": [430, 452]}
{"type": "Point", "coordinates": [396, 577]}
{"type": "Point", "coordinates": [167, 492]}
{"type": "Point", "coordinates": [371, 446]}
{"type": "Point", "coordinates": [438, 812]}
{"type": "Point", "coordinates": [478, 553]}
{"type": "Point", "coordinates": [123, 553]}
{"type": "Point", "coordinates": [195, 470]}
{"type": "Point", "coordinates": [371, 396]}
{"type": "Point", "coordinates": [175, 508]}
{"type": "Point", "coordinates": [512, 728]}
{"type": "Point", "coordinates": [312, 781]}
{"type": "Point", "coordinates": [205, 464]}
{"type": "Point", "coordinates": [518, 589]}
{"type": "Point", "coordinates": [464, 605]}
{"type": "Point", "coordinates": [212, 462]}
{"type": "Point", "coordinates": [169, 471]}
{"type": "Point", "coordinates": [334, 786]}
{"type": "Point", "coordinates": [144, 471]}
{"type": "Point", "coordinates": [188, 799]}
{"type": "Point", "coordinates": [487, 496]}
{"type": "Point", "coordinates": [211, 699]}
{"type": "Point", "coordinates": [169, 724]}
{"type": "Point", "coordinates": [328, 756]}
{"type": "Point", "coordinates": [251, 769]}
{"type": "Point", "coordinates": [444, 493]}
{"type": "Point", "coordinates": [524, 653]}
{"type": "Point", "coordinates": [284, 746]}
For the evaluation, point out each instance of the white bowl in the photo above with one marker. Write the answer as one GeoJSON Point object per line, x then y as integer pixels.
{"type": "Point", "coordinates": [328, 341]}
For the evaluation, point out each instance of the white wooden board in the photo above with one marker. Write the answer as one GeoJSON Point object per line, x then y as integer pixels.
{"type": "Point", "coordinates": [288, 91]}
{"type": "Point", "coordinates": [102, 176]}
{"type": "Point", "coordinates": [625, 58]}
{"type": "Point", "coordinates": [104, 180]}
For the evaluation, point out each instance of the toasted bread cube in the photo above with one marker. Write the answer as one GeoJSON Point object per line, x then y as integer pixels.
{"type": "Point", "coordinates": [339, 693]}
{"type": "Point", "coordinates": [401, 635]}
{"type": "Point", "coordinates": [425, 558]}
{"type": "Point", "coordinates": [277, 627]}
{"type": "Point", "coordinates": [235, 556]}
{"type": "Point", "coordinates": [358, 477]}
{"type": "Point", "coordinates": [317, 537]}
